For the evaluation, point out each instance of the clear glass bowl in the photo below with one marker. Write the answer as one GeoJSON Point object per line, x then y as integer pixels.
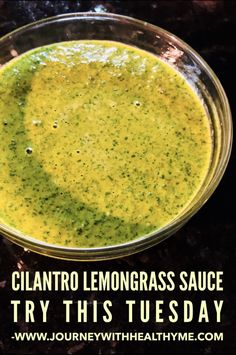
{"type": "Point", "coordinates": [145, 36]}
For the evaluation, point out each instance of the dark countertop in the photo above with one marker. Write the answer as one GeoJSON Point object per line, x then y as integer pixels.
{"type": "Point", "coordinates": [206, 243]}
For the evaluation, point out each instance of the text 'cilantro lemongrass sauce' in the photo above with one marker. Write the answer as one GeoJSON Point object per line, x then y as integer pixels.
{"type": "Point", "coordinates": [101, 143]}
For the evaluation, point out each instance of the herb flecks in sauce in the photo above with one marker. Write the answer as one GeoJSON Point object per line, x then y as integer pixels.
{"type": "Point", "coordinates": [100, 143]}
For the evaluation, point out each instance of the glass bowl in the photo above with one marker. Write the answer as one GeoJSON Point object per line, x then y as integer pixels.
{"type": "Point", "coordinates": [178, 54]}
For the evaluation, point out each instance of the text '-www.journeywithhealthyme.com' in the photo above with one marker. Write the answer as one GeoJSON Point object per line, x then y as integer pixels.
{"type": "Point", "coordinates": [118, 336]}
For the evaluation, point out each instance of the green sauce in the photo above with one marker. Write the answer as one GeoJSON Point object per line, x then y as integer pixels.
{"type": "Point", "coordinates": [101, 143]}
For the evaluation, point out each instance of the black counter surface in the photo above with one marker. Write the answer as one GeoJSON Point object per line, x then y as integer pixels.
{"type": "Point", "coordinates": [207, 242]}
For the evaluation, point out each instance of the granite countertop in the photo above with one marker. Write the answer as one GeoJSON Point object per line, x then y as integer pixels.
{"type": "Point", "coordinates": [206, 243]}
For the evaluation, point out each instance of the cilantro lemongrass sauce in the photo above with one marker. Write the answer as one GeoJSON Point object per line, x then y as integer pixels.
{"type": "Point", "coordinates": [101, 143]}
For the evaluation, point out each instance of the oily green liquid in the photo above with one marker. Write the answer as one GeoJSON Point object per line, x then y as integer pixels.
{"type": "Point", "coordinates": [101, 143]}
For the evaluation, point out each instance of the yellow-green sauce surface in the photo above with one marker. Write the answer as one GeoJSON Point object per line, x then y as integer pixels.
{"type": "Point", "coordinates": [100, 143]}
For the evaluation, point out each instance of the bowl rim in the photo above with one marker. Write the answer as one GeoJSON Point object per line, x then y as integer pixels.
{"type": "Point", "coordinates": [142, 242]}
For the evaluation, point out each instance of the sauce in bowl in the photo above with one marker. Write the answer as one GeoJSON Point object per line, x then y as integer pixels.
{"type": "Point", "coordinates": [101, 143]}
